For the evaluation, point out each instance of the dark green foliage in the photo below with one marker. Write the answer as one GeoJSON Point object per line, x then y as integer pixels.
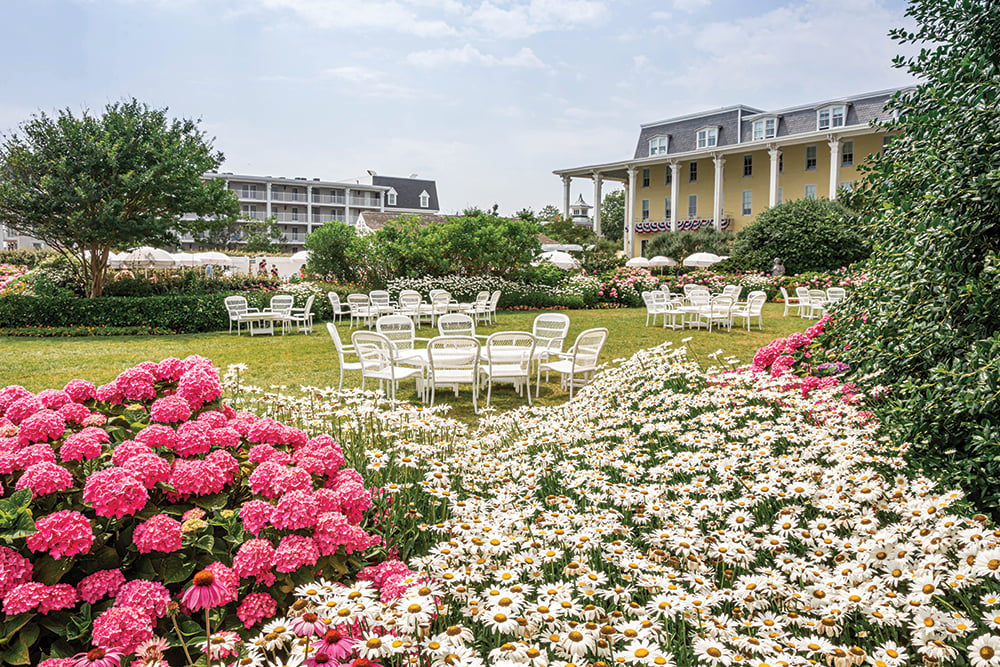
{"type": "Point", "coordinates": [28, 258]}
{"type": "Point", "coordinates": [86, 184]}
{"type": "Point", "coordinates": [261, 236]}
{"type": "Point", "coordinates": [928, 318]}
{"type": "Point", "coordinates": [807, 234]}
{"type": "Point", "coordinates": [72, 332]}
{"type": "Point", "coordinates": [330, 249]}
{"type": "Point", "coordinates": [679, 245]}
{"type": "Point", "coordinates": [181, 314]}
{"type": "Point", "coordinates": [613, 216]}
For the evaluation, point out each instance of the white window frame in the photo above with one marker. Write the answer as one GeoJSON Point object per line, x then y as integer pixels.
{"type": "Point", "coordinates": [810, 191]}
{"type": "Point", "coordinates": [390, 198]}
{"type": "Point", "coordinates": [814, 158]}
{"type": "Point", "coordinates": [707, 137]}
{"type": "Point", "coordinates": [831, 116]}
{"type": "Point", "coordinates": [692, 206]}
{"type": "Point", "coordinates": [847, 154]}
{"type": "Point", "coordinates": [765, 128]}
{"type": "Point", "coordinates": [746, 203]}
{"type": "Point", "coordinates": [425, 199]}
{"type": "Point", "coordinates": [667, 207]}
{"type": "Point", "coordinates": [645, 210]}
{"type": "Point", "coordinates": [658, 145]}
{"type": "Point", "coordinates": [645, 177]}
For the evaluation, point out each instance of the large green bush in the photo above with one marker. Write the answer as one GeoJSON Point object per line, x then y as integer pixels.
{"type": "Point", "coordinates": [679, 245]}
{"type": "Point", "coordinates": [927, 320]}
{"type": "Point", "coordinates": [807, 234]}
{"type": "Point", "coordinates": [182, 314]}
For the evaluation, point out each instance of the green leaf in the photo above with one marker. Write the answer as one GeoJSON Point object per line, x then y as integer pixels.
{"type": "Point", "coordinates": [17, 653]}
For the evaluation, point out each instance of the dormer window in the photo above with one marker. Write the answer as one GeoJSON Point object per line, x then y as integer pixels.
{"type": "Point", "coordinates": [390, 197]}
{"type": "Point", "coordinates": [708, 137]}
{"type": "Point", "coordinates": [658, 145]}
{"type": "Point", "coordinates": [425, 199]}
{"type": "Point", "coordinates": [831, 116]}
{"type": "Point", "coordinates": [765, 128]}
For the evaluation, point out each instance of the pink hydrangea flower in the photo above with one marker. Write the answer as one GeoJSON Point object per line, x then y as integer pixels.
{"type": "Point", "coordinates": [255, 560]}
{"type": "Point", "coordinates": [194, 477]}
{"type": "Point", "coordinates": [10, 394]}
{"type": "Point", "coordinates": [122, 629]}
{"type": "Point", "coordinates": [36, 454]}
{"type": "Point", "coordinates": [171, 369]}
{"type": "Point", "coordinates": [65, 533]}
{"type": "Point", "coordinates": [136, 384]}
{"type": "Point", "coordinates": [115, 493]}
{"type": "Point", "coordinates": [199, 385]}
{"type": "Point", "coordinates": [109, 393]}
{"type": "Point", "coordinates": [103, 582]}
{"type": "Point", "coordinates": [295, 510]}
{"type": "Point", "coordinates": [44, 478]}
{"type": "Point", "coordinates": [158, 533]}
{"type": "Point", "coordinates": [354, 500]}
{"type": "Point", "coordinates": [22, 408]}
{"type": "Point", "coordinates": [268, 479]}
{"type": "Point", "coordinates": [148, 469]}
{"type": "Point", "coordinates": [256, 515]}
{"type": "Point", "coordinates": [320, 456]}
{"type": "Point", "coordinates": [127, 449]}
{"type": "Point", "coordinates": [262, 453]}
{"type": "Point", "coordinates": [15, 570]}
{"type": "Point", "coordinates": [333, 531]}
{"type": "Point", "coordinates": [53, 399]}
{"type": "Point", "coordinates": [42, 426]}
{"type": "Point", "coordinates": [157, 435]}
{"type": "Point", "coordinates": [170, 409]}
{"type": "Point", "coordinates": [85, 445]}
{"type": "Point", "coordinates": [74, 412]}
{"type": "Point", "coordinates": [255, 608]}
{"type": "Point", "coordinates": [193, 438]}
{"type": "Point", "coordinates": [295, 551]}
{"type": "Point", "coordinates": [80, 390]}
{"type": "Point", "coordinates": [226, 462]}
{"type": "Point", "coordinates": [24, 597]}
{"type": "Point", "coordinates": [58, 596]}
{"type": "Point", "coordinates": [150, 596]}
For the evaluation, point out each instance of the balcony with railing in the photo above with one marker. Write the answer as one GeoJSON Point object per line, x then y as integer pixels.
{"type": "Point", "coordinates": [278, 195]}
{"type": "Point", "coordinates": [328, 217]}
{"type": "Point", "coordinates": [293, 238]}
{"type": "Point", "coordinates": [253, 215]}
{"type": "Point", "coordinates": [291, 217]}
{"type": "Point", "coordinates": [367, 202]}
{"type": "Point", "coordinates": [252, 195]}
{"type": "Point", "coordinates": [329, 199]}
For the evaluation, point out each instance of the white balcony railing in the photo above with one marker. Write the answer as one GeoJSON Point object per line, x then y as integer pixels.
{"type": "Point", "coordinates": [328, 199]}
{"type": "Point", "coordinates": [289, 196]}
{"type": "Point", "coordinates": [328, 217]}
{"type": "Point", "coordinates": [291, 217]}
{"type": "Point", "coordinates": [253, 195]}
{"type": "Point", "coordinates": [367, 202]}
{"type": "Point", "coordinates": [253, 215]}
{"type": "Point", "coordinates": [293, 238]}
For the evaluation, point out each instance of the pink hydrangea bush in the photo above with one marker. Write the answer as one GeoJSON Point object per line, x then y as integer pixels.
{"type": "Point", "coordinates": [125, 490]}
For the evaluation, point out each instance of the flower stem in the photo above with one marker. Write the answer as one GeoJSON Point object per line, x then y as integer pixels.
{"type": "Point", "coordinates": [180, 637]}
{"type": "Point", "coordinates": [208, 641]}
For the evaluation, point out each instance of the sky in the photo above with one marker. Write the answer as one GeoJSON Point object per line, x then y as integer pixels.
{"type": "Point", "coordinates": [486, 97]}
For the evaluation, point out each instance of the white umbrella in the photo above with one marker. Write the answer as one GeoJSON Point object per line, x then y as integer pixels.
{"type": "Point", "coordinates": [661, 260]}
{"type": "Point", "coordinates": [702, 259]}
{"type": "Point", "coordinates": [148, 258]}
{"type": "Point", "coordinates": [115, 259]}
{"type": "Point", "coordinates": [186, 259]}
{"type": "Point", "coordinates": [561, 259]}
{"type": "Point", "coordinates": [301, 255]}
{"type": "Point", "coordinates": [638, 261]}
{"type": "Point", "coordinates": [561, 247]}
{"type": "Point", "coordinates": [216, 258]}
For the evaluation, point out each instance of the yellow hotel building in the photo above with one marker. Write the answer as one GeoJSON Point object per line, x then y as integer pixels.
{"type": "Point", "coordinates": [721, 168]}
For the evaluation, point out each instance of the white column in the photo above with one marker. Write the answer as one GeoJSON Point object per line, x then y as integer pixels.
{"type": "Point", "coordinates": [630, 214]}
{"type": "Point", "coordinates": [775, 154]}
{"type": "Point", "coordinates": [719, 163]}
{"type": "Point", "coordinates": [267, 204]}
{"type": "Point", "coordinates": [675, 193]}
{"type": "Point", "coordinates": [598, 182]}
{"type": "Point", "coordinates": [834, 145]}
{"type": "Point", "coordinates": [309, 208]}
{"type": "Point", "coordinates": [347, 207]}
{"type": "Point", "coordinates": [566, 182]}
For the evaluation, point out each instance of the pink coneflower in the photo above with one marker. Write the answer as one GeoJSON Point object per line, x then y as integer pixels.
{"type": "Point", "coordinates": [97, 657]}
{"type": "Point", "coordinates": [336, 644]}
{"type": "Point", "coordinates": [308, 625]}
{"type": "Point", "coordinates": [205, 592]}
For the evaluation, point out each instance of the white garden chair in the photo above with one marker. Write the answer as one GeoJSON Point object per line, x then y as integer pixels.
{"type": "Point", "coordinates": [361, 309]}
{"type": "Point", "coordinates": [236, 308]}
{"type": "Point", "coordinates": [654, 306]}
{"type": "Point", "coordinates": [401, 332]}
{"type": "Point", "coordinates": [303, 317]}
{"type": "Point", "coordinates": [379, 362]}
{"type": "Point", "coordinates": [550, 331]}
{"type": "Point", "coordinates": [339, 309]}
{"type": "Point", "coordinates": [817, 303]}
{"type": "Point", "coordinates": [453, 361]}
{"type": "Point", "coordinates": [507, 358]}
{"type": "Point", "coordinates": [718, 312]}
{"type": "Point", "coordinates": [835, 294]}
{"type": "Point", "coordinates": [456, 324]}
{"type": "Point", "coordinates": [805, 301]}
{"type": "Point", "coordinates": [576, 367]}
{"type": "Point", "coordinates": [342, 351]}
{"type": "Point", "coordinates": [754, 307]}
{"type": "Point", "coordinates": [790, 302]}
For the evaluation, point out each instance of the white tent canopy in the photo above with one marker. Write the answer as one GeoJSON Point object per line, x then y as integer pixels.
{"type": "Point", "coordinates": [186, 259]}
{"type": "Point", "coordinates": [702, 259]}
{"type": "Point", "coordinates": [561, 259]}
{"type": "Point", "coordinates": [145, 257]}
{"type": "Point", "coordinates": [638, 261]}
{"type": "Point", "coordinates": [301, 255]}
{"type": "Point", "coordinates": [218, 258]}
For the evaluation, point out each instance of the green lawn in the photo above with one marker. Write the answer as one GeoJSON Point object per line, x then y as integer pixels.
{"type": "Point", "coordinates": [297, 359]}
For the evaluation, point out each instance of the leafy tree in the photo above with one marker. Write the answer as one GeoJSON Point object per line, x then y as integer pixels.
{"type": "Point", "coordinates": [261, 236]}
{"type": "Point", "coordinates": [330, 251]}
{"type": "Point", "coordinates": [567, 231]}
{"type": "Point", "coordinates": [613, 216]}
{"type": "Point", "coordinates": [88, 184]}
{"type": "Point", "coordinates": [526, 214]}
{"type": "Point", "coordinates": [927, 320]}
{"type": "Point", "coordinates": [548, 213]}
{"type": "Point", "coordinates": [678, 245]}
{"type": "Point", "coordinates": [807, 234]}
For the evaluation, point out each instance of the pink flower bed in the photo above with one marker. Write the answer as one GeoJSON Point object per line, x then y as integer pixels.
{"type": "Point", "coordinates": [134, 485]}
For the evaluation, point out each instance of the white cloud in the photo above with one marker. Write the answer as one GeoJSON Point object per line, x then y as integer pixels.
{"type": "Point", "coordinates": [388, 15]}
{"type": "Point", "coordinates": [368, 82]}
{"type": "Point", "coordinates": [469, 55]}
{"type": "Point", "coordinates": [523, 19]}
{"type": "Point", "coordinates": [690, 6]}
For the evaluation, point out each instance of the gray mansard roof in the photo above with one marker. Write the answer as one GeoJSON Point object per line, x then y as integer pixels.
{"type": "Point", "coordinates": [408, 192]}
{"type": "Point", "coordinates": [736, 123]}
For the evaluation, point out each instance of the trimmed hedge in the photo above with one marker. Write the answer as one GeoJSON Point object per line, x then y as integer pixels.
{"type": "Point", "coordinates": [181, 314]}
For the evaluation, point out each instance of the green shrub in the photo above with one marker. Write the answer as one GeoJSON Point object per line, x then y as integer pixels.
{"type": "Point", "coordinates": [807, 234]}
{"type": "Point", "coordinates": [28, 258]}
{"type": "Point", "coordinates": [679, 245]}
{"type": "Point", "coordinates": [927, 320]}
{"type": "Point", "coordinates": [72, 332]}
{"type": "Point", "coordinates": [181, 314]}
